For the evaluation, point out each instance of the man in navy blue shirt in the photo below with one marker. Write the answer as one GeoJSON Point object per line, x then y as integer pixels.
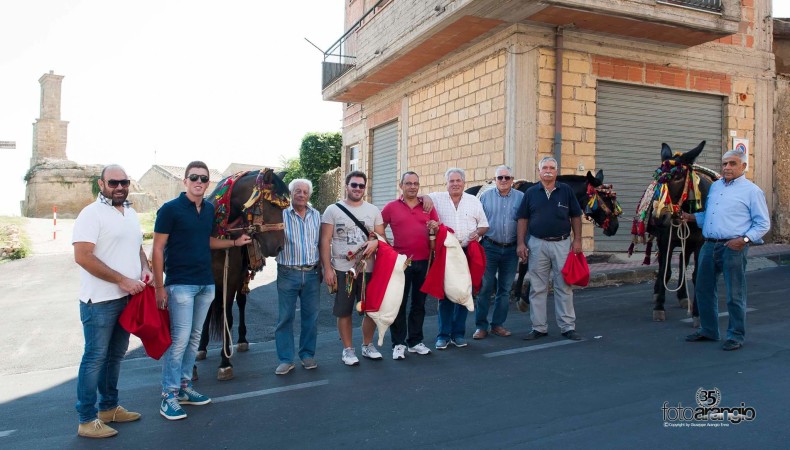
{"type": "Point", "coordinates": [549, 212]}
{"type": "Point", "coordinates": [735, 215]}
{"type": "Point", "coordinates": [182, 250]}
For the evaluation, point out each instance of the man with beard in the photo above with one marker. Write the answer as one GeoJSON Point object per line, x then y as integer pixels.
{"type": "Point", "coordinates": [346, 229]}
{"type": "Point", "coordinates": [410, 227]}
{"type": "Point", "coordinates": [549, 212]}
{"type": "Point", "coordinates": [108, 248]}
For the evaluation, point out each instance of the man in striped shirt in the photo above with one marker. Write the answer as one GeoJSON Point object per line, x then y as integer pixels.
{"type": "Point", "coordinates": [298, 277]}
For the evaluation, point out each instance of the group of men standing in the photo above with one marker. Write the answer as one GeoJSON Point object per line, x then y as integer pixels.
{"type": "Point", "coordinates": [540, 226]}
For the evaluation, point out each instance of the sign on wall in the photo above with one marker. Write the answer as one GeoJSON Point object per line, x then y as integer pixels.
{"type": "Point", "coordinates": [742, 145]}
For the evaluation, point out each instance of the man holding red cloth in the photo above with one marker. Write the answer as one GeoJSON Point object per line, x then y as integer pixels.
{"type": "Point", "coordinates": [410, 230]}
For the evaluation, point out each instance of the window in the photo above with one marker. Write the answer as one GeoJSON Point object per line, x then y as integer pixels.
{"type": "Point", "coordinates": [353, 158]}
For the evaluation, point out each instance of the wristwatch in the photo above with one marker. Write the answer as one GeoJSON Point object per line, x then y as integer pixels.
{"type": "Point", "coordinates": [747, 240]}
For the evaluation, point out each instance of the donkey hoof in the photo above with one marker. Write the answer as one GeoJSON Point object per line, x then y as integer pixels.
{"type": "Point", "coordinates": [522, 305]}
{"type": "Point", "coordinates": [659, 316]}
{"type": "Point", "coordinates": [695, 322]}
{"type": "Point", "coordinates": [655, 298]}
{"type": "Point", "coordinates": [194, 373]}
{"type": "Point", "coordinates": [242, 346]}
{"type": "Point", "coordinates": [201, 355]}
{"type": "Point", "coordinates": [684, 303]}
{"type": "Point", "coordinates": [225, 373]}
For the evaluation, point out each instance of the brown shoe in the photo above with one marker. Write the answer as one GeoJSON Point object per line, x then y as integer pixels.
{"type": "Point", "coordinates": [501, 331]}
{"type": "Point", "coordinates": [480, 334]}
{"type": "Point", "coordinates": [118, 414]}
{"type": "Point", "coordinates": [96, 429]}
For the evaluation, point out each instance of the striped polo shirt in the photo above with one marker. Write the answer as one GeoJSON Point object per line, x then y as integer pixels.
{"type": "Point", "coordinates": [301, 238]}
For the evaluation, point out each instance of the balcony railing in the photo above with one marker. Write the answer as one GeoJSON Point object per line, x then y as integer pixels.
{"type": "Point", "coordinates": [336, 60]}
{"type": "Point", "coordinates": [703, 5]}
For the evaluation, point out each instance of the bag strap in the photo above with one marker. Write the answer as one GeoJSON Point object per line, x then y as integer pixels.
{"type": "Point", "coordinates": [356, 221]}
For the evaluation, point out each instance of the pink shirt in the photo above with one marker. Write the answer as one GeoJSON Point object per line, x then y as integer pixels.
{"type": "Point", "coordinates": [409, 228]}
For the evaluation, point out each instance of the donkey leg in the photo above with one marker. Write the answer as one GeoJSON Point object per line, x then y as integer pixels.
{"type": "Point", "coordinates": [204, 338]}
{"type": "Point", "coordinates": [659, 288]}
{"type": "Point", "coordinates": [683, 296]}
{"type": "Point", "coordinates": [225, 371]}
{"type": "Point", "coordinates": [522, 299]}
{"type": "Point", "coordinates": [242, 345]}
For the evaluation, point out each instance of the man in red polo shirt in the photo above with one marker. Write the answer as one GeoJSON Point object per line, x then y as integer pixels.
{"type": "Point", "coordinates": [410, 229]}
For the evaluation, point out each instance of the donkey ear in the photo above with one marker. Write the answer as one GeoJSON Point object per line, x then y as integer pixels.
{"type": "Point", "coordinates": [594, 181]}
{"type": "Point", "coordinates": [666, 152]}
{"type": "Point", "coordinates": [599, 175]}
{"type": "Point", "coordinates": [691, 155]}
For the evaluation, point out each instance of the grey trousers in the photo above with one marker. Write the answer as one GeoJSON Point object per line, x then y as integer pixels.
{"type": "Point", "coordinates": [546, 260]}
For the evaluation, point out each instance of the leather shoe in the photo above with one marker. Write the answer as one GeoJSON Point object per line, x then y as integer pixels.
{"type": "Point", "coordinates": [697, 337]}
{"type": "Point", "coordinates": [534, 334]}
{"type": "Point", "coordinates": [731, 345]}
{"type": "Point", "coordinates": [118, 414]}
{"type": "Point", "coordinates": [480, 334]}
{"type": "Point", "coordinates": [572, 335]}
{"type": "Point", "coordinates": [501, 331]}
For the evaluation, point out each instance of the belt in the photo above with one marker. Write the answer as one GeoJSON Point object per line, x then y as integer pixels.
{"type": "Point", "coordinates": [300, 268]}
{"type": "Point", "coordinates": [555, 238]}
{"type": "Point", "coordinates": [718, 241]}
{"type": "Point", "coordinates": [499, 244]}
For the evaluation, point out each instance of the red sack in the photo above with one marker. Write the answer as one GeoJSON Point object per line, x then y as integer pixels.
{"type": "Point", "coordinates": [144, 319]}
{"type": "Point", "coordinates": [476, 256]}
{"type": "Point", "coordinates": [576, 270]}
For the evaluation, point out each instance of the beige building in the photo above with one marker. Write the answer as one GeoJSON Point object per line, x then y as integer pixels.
{"type": "Point", "coordinates": [475, 83]}
{"type": "Point", "coordinates": [167, 182]}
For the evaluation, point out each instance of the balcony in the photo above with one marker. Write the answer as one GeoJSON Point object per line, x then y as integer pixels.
{"type": "Point", "coordinates": [393, 42]}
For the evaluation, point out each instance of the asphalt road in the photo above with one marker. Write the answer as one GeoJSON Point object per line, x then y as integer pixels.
{"type": "Point", "coordinates": [606, 391]}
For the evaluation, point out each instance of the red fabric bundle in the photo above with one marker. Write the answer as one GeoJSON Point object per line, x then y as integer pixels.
{"type": "Point", "coordinates": [434, 279]}
{"type": "Point", "coordinates": [476, 256]}
{"type": "Point", "coordinates": [386, 257]}
{"type": "Point", "coordinates": [576, 270]}
{"type": "Point", "coordinates": [144, 319]}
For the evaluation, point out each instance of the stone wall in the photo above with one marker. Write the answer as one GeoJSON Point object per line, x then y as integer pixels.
{"type": "Point", "coordinates": [330, 189]}
{"type": "Point", "coordinates": [64, 184]}
{"type": "Point", "coordinates": [781, 192]}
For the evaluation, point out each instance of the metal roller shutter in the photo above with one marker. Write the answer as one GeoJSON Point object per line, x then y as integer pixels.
{"type": "Point", "coordinates": [632, 122]}
{"type": "Point", "coordinates": [383, 172]}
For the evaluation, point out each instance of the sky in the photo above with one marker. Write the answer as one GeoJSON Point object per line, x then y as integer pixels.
{"type": "Point", "coordinates": [165, 81]}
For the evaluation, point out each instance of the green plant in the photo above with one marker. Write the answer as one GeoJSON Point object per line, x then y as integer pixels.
{"type": "Point", "coordinates": [12, 235]}
{"type": "Point", "coordinates": [319, 153]}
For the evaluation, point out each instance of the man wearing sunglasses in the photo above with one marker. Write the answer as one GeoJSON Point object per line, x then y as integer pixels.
{"type": "Point", "coordinates": [182, 250]}
{"type": "Point", "coordinates": [342, 236]}
{"type": "Point", "coordinates": [113, 266]}
{"type": "Point", "coordinates": [501, 206]}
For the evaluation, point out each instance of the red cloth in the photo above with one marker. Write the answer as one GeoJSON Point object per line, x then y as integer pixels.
{"type": "Point", "coordinates": [476, 257]}
{"type": "Point", "coordinates": [144, 319]}
{"type": "Point", "coordinates": [576, 271]}
{"type": "Point", "coordinates": [386, 257]}
{"type": "Point", "coordinates": [434, 279]}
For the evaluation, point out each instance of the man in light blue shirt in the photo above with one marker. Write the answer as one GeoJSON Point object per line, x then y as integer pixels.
{"type": "Point", "coordinates": [500, 206]}
{"type": "Point", "coordinates": [735, 215]}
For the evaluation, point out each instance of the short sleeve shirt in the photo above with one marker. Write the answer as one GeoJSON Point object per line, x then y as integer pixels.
{"type": "Point", "coordinates": [465, 219]}
{"type": "Point", "coordinates": [346, 235]}
{"type": "Point", "coordinates": [549, 216]}
{"type": "Point", "coordinates": [409, 229]}
{"type": "Point", "coordinates": [117, 239]}
{"type": "Point", "coordinates": [187, 252]}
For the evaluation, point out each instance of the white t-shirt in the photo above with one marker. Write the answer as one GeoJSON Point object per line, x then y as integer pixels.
{"type": "Point", "coordinates": [117, 239]}
{"type": "Point", "coordinates": [465, 219]}
{"type": "Point", "coordinates": [347, 236]}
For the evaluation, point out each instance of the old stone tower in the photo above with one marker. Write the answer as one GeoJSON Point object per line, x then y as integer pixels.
{"type": "Point", "coordinates": [49, 132]}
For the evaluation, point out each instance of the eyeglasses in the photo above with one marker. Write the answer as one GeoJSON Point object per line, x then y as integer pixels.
{"type": "Point", "coordinates": [194, 177]}
{"type": "Point", "coordinates": [411, 183]}
{"type": "Point", "coordinates": [504, 177]}
{"type": "Point", "coordinates": [357, 185]}
{"type": "Point", "coordinates": [114, 183]}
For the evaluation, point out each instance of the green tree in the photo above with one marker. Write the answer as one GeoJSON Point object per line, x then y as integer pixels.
{"type": "Point", "coordinates": [319, 153]}
{"type": "Point", "coordinates": [293, 169]}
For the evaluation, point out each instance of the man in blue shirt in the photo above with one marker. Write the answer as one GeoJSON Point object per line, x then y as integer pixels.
{"type": "Point", "coordinates": [182, 250]}
{"type": "Point", "coordinates": [298, 278]}
{"type": "Point", "coordinates": [735, 215]}
{"type": "Point", "coordinates": [549, 212]}
{"type": "Point", "coordinates": [500, 206]}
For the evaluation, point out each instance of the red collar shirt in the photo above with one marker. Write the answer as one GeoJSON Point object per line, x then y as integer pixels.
{"type": "Point", "coordinates": [409, 228]}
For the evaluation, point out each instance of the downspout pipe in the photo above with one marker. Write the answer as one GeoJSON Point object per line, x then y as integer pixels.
{"type": "Point", "coordinates": [558, 98]}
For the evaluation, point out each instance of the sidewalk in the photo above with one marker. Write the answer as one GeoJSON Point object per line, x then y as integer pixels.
{"type": "Point", "coordinates": [621, 269]}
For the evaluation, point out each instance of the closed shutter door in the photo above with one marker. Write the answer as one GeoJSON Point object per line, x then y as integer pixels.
{"type": "Point", "coordinates": [632, 122]}
{"type": "Point", "coordinates": [383, 172]}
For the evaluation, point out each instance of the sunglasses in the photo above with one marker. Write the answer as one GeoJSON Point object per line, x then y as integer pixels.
{"type": "Point", "coordinates": [194, 177]}
{"type": "Point", "coordinates": [504, 177]}
{"type": "Point", "coordinates": [357, 185]}
{"type": "Point", "coordinates": [114, 183]}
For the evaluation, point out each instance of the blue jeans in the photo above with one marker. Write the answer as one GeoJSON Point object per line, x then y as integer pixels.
{"type": "Point", "coordinates": [188, 306]}
{"type": "Point", "coordinates": [415, 277]}
{"type": "Point", "coordinates": [293, 284]}
{"type": "Point", "coordinates": [106, 343]}
{"type": "Point", "coordinates": [452, 320]}
{"type": "Point", "coordinates": [715, 259]}
{"type": "Point", "coordinates": [501, 266]}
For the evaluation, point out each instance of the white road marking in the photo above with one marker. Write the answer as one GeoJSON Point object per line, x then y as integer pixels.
{"type": "Point", "coordinates": [722, 314]}
{"type": "Point", "coordinates": [294, 387]}
{"type": "Point", "coordinates": [531, 348]}
{"type": "Point", "coordinates": [7, 433]}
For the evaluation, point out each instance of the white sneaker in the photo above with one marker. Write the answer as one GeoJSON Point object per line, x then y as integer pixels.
{"type": "Point", "coordinates": [349, 358]}
{"type": "Point", "coordinates": [398, 352]}
{"type": "Point", "coordinates": [369, 351]}
{"type": "Point", "coordinates": [420, 349]}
